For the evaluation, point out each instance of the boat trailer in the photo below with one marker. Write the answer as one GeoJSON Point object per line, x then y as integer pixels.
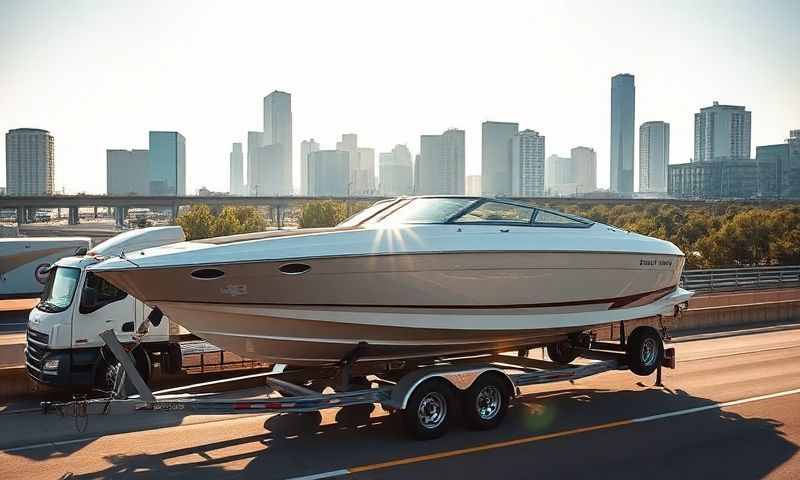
{"type": "Point", "coordinates": [480, 386]}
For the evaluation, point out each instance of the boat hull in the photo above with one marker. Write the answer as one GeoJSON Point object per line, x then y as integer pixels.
{"type": "Point", "coordinates": [303, 336]}
{"type": "Point", "coordinates": [406, 305]}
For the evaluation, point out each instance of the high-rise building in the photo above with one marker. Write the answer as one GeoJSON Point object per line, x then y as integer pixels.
{"type": "Point", "coordinates": [440, 164]}
{"type": "Point", "coordinates": [254, 142]}
{"type": "Point", "coordinates": [361, 162]}
{"type": "Point", "coordinates": [126, 172]}
{"type": "Point", "coordinates": [721, 132]}
{"type": "Point", "coordinates": [396, 171]}
{"type": "Point", "coordinates": [328, 173]}
{"type": "Point", "coordinates": [527, 164]}
{"type": "Point", "coordinates": [474, 185]}
{"type": "Point", "coordinates": [30, 162]}
{"type": "Point", "coordinates": [278, 131]}
{"type": "Point", "coordinates": [267, 177]}
{"type": "Point", "coordinates": [496, 157]}
{"type": "Point", "coordinates": [653, 156]}
{"type": "Point", "coordinates": [559, 176]}
{"type": "Point", "coordinates": [236, 179]}
{"type": "Point", "coordinates": [306, 147]}
{"type": "Point", "coordinates": [787, 158]}
{"type": "Point", "coordinates": [584, 161]}
{"type": "Point", "coordinates": [623, 112]}
{"type": "Point", "coordinates": [167, 164]}
{"type": "Point", "coordinates": [364, 180]}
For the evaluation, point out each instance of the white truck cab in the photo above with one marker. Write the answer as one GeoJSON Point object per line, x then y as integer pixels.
{"type": "Point", "coordinates": [63, 343]}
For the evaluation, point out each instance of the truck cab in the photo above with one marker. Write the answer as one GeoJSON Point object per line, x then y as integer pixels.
{"type": "Point", "coordinates": [64, 347]}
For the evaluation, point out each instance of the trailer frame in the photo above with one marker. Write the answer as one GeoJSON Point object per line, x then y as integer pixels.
{"type": "Point", "coordinates": [503, 375]}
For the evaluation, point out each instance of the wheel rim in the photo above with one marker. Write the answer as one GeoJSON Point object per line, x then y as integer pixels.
{"type": "Point", "coordinates": [649, 352]}
{"type": "Point", "coordinates": [432, 410]}
{"type": "Point", "coordinates": [488, 402]}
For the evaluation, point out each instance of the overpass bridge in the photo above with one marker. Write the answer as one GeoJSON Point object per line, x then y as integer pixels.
{"type": "Point", "coordinates": [280, 204]}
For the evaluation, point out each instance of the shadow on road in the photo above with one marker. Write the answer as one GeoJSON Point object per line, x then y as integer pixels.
{"type": "Point", "coordinates": [709, 444]}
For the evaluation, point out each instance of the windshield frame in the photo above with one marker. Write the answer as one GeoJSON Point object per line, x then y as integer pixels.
{"type": "Point", "coordinates": [46, 306]}
{"type": "Point", "coordinates": [386, 213]}
{"type": "Point", "coordinates": [388, 203]}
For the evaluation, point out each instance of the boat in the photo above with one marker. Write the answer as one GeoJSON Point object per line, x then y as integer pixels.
{"type": "Point", "coordinates": [25, 262]}
{"type": "Point", "coordinates": [407, 278]}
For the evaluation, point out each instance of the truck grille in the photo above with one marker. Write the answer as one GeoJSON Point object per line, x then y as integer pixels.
{"type": "Point", "coordinates": [35, 350]}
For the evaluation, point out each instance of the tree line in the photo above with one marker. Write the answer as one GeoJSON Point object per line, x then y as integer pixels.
{"type": "Point", "coordinates": [724, 234]}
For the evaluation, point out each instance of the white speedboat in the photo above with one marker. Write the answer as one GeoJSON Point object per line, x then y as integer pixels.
{"type": "Point", "coordinates": [407, 278]}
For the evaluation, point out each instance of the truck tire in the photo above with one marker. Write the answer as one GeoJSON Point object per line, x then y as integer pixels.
{"type": "Point", "coordinates": [428, 411]}
{"type": "Point", "coordinates": [562, 352]}
{"type": "Point", "coordinates": [485, 402]}
{"type": "Point", "coordinates": [644, 350]}
{"type": "Point", "coordinates": [108, 366]}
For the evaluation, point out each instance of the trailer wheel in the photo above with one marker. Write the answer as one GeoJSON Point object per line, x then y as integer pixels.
{"type": "Point", "coordinates": [485, 402]}
{"type": "Point", "coordinates": [644, 350]}
{"type": "Point", "coordinates": [562, 352]}
{"type": "Point", "coordinates": [427, 413]}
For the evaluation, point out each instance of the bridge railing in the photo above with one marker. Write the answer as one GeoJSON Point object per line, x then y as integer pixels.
{"type": "Point", "coordinates": [727, 279]}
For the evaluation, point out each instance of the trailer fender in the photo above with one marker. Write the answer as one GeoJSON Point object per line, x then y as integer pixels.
{"type": "Point", "coordinates": [460, 378]}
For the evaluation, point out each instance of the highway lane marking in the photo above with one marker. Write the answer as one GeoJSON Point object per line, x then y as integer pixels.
{"type": "Point", "coordinates": [520, 441]}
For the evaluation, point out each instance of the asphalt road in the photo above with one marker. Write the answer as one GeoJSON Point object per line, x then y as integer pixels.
{"type": "Point", "coordinates": [609, 426]}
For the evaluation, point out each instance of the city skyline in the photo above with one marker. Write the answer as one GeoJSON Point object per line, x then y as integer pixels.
{"type": "Point", "coordinates": [185, 86]}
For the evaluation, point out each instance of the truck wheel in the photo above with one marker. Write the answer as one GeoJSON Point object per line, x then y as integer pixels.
{"type": "Point", "coordinates": [108, 367]}
{"type": "Point", "coordinates": [427, 413]}
{"type": "Point", "coordinates": [562, 352]}
{"type": "Point", "coordinates": [485, 402]}
{"type": "Point", "coordinates": [644, 350]}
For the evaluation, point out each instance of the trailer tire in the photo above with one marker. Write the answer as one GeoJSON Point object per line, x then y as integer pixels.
{"type": "Point", "coordinates": [428, 411]}
{"type": "Point", "coordinates": [485, 402]}
{"type": "Point", "coordinates": [562, 352]}
{"type": "Point", "coordinates": [644, 350]}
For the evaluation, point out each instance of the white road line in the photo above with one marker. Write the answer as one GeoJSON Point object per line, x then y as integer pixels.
{"type": "Point", "coordinates": [426, 458]}
{"type": "Point", "coordinates": [50, 444]}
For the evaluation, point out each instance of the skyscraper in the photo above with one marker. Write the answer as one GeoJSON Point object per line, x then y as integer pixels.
{"type": "Point", "coordinates": [167, 164]}
{"type": "Point", "coordinates": [623, 111]}
{"type": "Point", "coordinates": [254, 142]}
{"type": "Point", "coordinates": [559, 176]}
{"type": "Point", "coordinates": [126, 172]}
{"type": "Point", "coordinates": [496, 157]}
{"type": "Point", "coordinates": [653, 156]}
{"type": "Point", "coordinates": [278, 131]}
{"type": "Point", "coordinates": [267, 178]}
{"type": "Point", "coordinates": [236, 179]}
{"type": "Point", "coordinates": [440, 164]}
{"type": "Point", "coordinates": [395, 168]}
{"type": "Point", "coordinates": [30, 162]}
{"type": "Point", "coordinates": [361, 161]}
{"type": "Point", "coordinates": [306, 147]}
{"type": "Point", "coordinates": [721, 132]}
{"type": "Point", "coordinates": [328, 173]}
{"type": "Point", "coordinates": [584, 162]}
{"type": "Point", "coordinates": [527, 164]}
{"type": "Point", "coordinates": [474, 185]}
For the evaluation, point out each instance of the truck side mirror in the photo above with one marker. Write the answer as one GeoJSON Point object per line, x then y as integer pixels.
{"type": "Point", "coordinates": [89, 297]}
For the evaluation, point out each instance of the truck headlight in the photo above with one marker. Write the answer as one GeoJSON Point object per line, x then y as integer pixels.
{"type": "Point", "coordinates": [51, 365]}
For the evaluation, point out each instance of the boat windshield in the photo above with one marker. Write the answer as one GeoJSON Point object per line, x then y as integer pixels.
{"type": "Point", "coordinates": [425, 210]}
{"type": "Point", "coordinates": [60, 289]}
{"type": "Point", "coordinates": [367, 213]}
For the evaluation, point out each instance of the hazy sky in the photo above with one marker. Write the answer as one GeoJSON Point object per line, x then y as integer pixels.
{"type": "Point", "coordinates": [100, 74]}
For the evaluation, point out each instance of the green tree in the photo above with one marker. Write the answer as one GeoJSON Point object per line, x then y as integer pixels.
{"type": "Point", "coordinates": [201, 222]}
{"type": "Point", "coordinates": [197, 222]}
{"type": "Point", "coordinates": [326, 213]}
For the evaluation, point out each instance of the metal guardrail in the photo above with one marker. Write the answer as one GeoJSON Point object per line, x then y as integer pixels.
{"type": "Point", "coordinates": [727, 279]}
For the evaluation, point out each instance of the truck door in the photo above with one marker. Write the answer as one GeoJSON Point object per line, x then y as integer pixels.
{"type": "Point", "coordinates": [102, 306]}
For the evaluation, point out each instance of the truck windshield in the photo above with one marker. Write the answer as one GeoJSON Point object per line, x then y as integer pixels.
{"type": "Point", "coordinates": [60, 289]}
